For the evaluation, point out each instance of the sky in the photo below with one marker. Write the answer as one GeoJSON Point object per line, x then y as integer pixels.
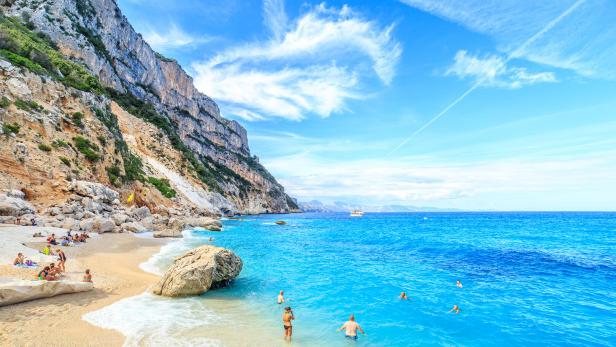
{"type": "Point", "coordinates": [476, 104]}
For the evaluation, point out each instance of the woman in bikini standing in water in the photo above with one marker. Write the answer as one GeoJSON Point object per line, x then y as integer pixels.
{"type": "Point", "coordinates": [287, 317]}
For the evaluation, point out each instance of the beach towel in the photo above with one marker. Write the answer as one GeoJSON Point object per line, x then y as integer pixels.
{"type": "Point", "coordinates": [25, 266]}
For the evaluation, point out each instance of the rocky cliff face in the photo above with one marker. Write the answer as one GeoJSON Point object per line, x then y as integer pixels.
{"type": "Point", "coordinates": [95, 34]}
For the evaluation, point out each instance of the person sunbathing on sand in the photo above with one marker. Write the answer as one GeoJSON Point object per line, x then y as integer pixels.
{"type": "Point", "coordinates": [54, 270]}
{"type": "Point", "coordinates": [47, 250]}
{"type": "Point", "coordinates": [45, 274]}
{"type": "Point", "coordinates": [455, 309]}
{"type": "Point", "coordinates": [403, 296]}
{"type": "Point", "coordinates": [459, 284]}
{"type": "Point", "coordinates": [281, 297]}
{"type": "Point", "coordinates": [350, 328]}
{"type": "Point", "coordinates": [61, 259]}
{"type": "Point", "coordinates": [87, 277]}
{"type": "Point", "coordinates": [52, 239]}
{"type": "Point", "coordinates": [19, 260]}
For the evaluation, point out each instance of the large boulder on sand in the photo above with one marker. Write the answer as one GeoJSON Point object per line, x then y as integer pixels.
{"type": "Point", "coordinates": [94, 190]}
{"type": "Point", "coordinates": [196, 272]}
{"type": "Point", "coordinates": [10, 205]}
{"type": "Point", "coordinates": [133, 227]}
{"type": "Point", "coordinates": [13, 291]}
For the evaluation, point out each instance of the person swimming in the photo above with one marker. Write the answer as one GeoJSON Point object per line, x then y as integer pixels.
{"type": "Point", "coordinates": [459, 284]}
{"type": "Point", "coordinates": [350, 328]}
{"type": "Point", "coordinates": [281, 297]}
{"type": "Point", "coordinates": [455, 309]}
{"type": "Point", "coordinates": [287, 317]}
{"type": "Point", "coordinates": [403, 296]}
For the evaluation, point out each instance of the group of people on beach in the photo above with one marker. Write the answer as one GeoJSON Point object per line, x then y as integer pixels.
{"type": "Point", "coordinates": [350, 327]}
{"type": "Point", "coordinates": [53, 272]}
{"type": "Point", "coordinates": [68, 240]}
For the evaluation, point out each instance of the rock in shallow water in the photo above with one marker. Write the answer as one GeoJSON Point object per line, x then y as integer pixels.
{"type": "Point", "coordinates": [196, 272]}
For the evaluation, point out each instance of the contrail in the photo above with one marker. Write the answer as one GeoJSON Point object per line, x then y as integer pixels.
{"type": "Point", "coordinates": [514, 54]}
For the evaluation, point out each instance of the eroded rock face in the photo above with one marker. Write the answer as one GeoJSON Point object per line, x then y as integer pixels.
{"type": "Point", "coordinates": [196, 272]}
{"type": "Point", "coordinates": [10, 205]}
{"type": "Point", "coordinates": [126, 63]}
{"type": "Point", "coordinates": [96, 191]}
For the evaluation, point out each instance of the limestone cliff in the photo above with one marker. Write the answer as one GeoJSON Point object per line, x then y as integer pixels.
{"type": "Point", "coordinates": [94, 34]}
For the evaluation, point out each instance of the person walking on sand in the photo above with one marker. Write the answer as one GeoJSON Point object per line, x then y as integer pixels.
{"type": "Point", "coordinates": [280, 297]}
{"type": "Point", "coordinates": [350, 328]}
{"type": "Point", "coordinates": [287, 317]}
{"type": "Point", "coordinates": [61, 259]}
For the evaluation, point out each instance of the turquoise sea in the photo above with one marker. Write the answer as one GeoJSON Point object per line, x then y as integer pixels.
{"type": "Point", "coordinates": [529, 279]}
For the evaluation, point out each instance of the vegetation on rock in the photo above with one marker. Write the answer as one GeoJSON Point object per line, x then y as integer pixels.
{"type": "Point", "coordinates": [163, 186]}
{"type": "Point", "coordinates": [87, 148]}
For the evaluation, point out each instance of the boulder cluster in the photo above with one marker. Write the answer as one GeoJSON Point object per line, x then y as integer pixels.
{"type": "Point", "coordinates": [94, 207]}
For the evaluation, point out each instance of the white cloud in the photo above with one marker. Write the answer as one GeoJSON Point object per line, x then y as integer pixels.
{"type": "Point", "coordinates": [580, 34]}
{"type": "Point", "coordinates": [403, 182]}
{"type": "Point", "coordinates": [173, 37]}
{"type": "Point", "coordinates": [314, 67]}
{"type": "Point", "coordinates": [493, 71]}
{"type": "Point", "coordinates": [275, 17]}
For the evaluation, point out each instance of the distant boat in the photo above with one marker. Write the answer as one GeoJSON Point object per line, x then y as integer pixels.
{"type": "Point", "coordinates": [356, 213]}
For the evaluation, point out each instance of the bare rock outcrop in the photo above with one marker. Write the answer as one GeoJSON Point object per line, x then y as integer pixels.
{"type": "Point", "coordinates": [15, 291]}
{"type": "Point", "coordinates": [196, 272]}
{"type": "Point", "coordinates": [12, 204]}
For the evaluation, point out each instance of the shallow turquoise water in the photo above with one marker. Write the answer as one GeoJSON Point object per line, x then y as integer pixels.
{"type": "Point", "coordinates": [529, 278]}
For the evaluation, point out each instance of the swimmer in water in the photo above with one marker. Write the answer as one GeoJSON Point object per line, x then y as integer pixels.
{"type": "Point", "coordinates": [281, 297]}
{"type": "Point", "coordinates": [455, 309]}
{"type": "Point", "coordinates": [459, 284]}
{"type": "Point", "coordinates": [403, 296]}
{"type": "Point", "coordinates": [350, 328]}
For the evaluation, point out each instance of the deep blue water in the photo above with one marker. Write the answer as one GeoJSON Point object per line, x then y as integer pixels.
{"type": "Point", "coordinates": [529, 278]}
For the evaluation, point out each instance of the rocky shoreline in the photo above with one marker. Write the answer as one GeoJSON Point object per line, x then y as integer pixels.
{"type": "Point", "coordinates": [94, 207]}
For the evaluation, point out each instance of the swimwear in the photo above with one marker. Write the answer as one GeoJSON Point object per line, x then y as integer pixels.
{"type": "Point", "coordinates": [351, 337]}
{"type": "Point", "coordinates": [286, 327]}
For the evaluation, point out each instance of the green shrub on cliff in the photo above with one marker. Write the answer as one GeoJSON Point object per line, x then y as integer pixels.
{"type": "Point", "coordinates": [77, 119]}
{"type": "Point", "coordinates": [10, 128]}
{"type": "Point", "coordinates": [59, 143]}
{"type": "Point", "coordinates": [5, 102]}
{"type": "Point", "coordinates": [87, 148]}
{"type": "Point", "coordinates": [43, 147]}
{"type": "Point", "coordinates": [23, 47]}
{"type": "Point", "coordinates": [65, 161]}
{"type": "Point", "coordinates": [163, 186]}
{"type": "Point", "coordinates": [27, 105]}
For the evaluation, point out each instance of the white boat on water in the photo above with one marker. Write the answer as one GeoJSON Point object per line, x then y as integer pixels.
{"type": "Point", "coordinates": [356, 213]}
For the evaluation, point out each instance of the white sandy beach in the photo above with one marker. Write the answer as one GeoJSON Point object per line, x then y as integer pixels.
{"type": "Point", "coordinates": [114, 261]}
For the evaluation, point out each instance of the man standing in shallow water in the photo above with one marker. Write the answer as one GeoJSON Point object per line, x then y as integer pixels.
{"type": "Point", "coordinates": [351, 327]}
{"type": "Point", "coordinates": [281, 297]}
